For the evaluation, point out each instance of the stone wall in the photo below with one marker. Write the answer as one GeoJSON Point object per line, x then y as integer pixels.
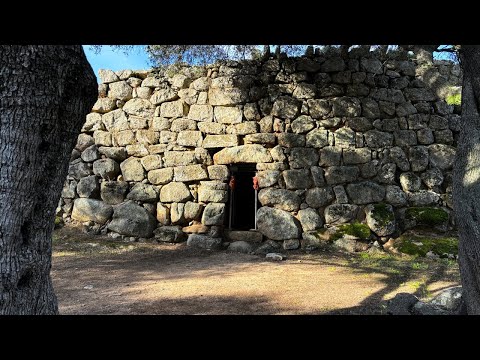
{"type": "Point", "coordinates": [329, 136]}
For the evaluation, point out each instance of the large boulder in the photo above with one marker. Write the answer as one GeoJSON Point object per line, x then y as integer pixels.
{"type": "Point", "coordinates": [88, 187]}
{"type": "Point", "coordinates": [441, 156]}
{"type": "Point", "coordinates": [132, 169]}
{"type": "Point", "coordinates": [174, 192]}
{"type": "Point", "coordinates": [340, 213]}
{"type": "Point", "coordinates": [213, 214]}
{"type": "Point", "coordinates": [143, 192]}
{"type": "Point", "coordinates": [131, 219]}
{"type": "Point", "coordinates": [380, 219]}
{"type": "Point", "coordinates": [106, 168]}
{"type": "Point", "coordinates": [319, 196]}
{"type": "Point", "coordinates": [277, 224]}
{"type": "Point", "coordinates": [113, 192]}
{"type": "Point", "coordinates": [309, 219]}
{"type": "Point", "coordinates": [251, 153]}
{"type": "Point", "coordinates": [365, 192]}
{"type": "Point", "coordinates": [279, 198]}
{"type": "Point", "coordinates": [204, 241]}
{"type": "Point", "coordinates": [91, 210]}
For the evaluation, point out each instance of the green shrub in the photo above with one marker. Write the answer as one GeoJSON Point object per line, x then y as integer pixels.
{"type": "Point", "coordinates": [427, 215]}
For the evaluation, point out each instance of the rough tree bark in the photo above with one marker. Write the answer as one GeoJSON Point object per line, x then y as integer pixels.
{"type": "Point", "coordinates": [45, 94]}
{"type": "Point", "coordinates": [466, 180]}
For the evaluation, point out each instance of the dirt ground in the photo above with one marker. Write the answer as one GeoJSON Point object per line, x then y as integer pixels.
{"type": "Point", "coordinates": [98, 275]}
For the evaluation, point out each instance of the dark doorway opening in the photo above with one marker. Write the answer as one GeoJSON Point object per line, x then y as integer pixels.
{"type": "Point", "coordinates": [241, 200]}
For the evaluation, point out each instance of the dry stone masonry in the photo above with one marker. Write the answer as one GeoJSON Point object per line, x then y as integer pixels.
{"type": "Point", "coordinates": [330, 137]}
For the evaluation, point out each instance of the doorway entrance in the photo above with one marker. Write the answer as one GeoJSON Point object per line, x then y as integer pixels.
{"type": "Point", "coordinates": [241, 202]}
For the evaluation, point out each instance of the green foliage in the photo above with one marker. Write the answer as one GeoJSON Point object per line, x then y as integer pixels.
{"type": "Point", "coordinates": [357, 229]}
{"type": "Point", "coordinates": [381, 214]}
{"type": "Point", "coordinates": [58, 222]}
{"type": "Point", "coordinates": [427, 215]}
{"type": "Point", "coordinates": [421, 245]}
{"type": "Point", "coordinates": [454, 99]}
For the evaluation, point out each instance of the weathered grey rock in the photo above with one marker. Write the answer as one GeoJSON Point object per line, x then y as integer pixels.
{"type": "Point", "coordinates": [432, 178]}
{"type": "Point", "coordinates": [410, 182]}
{"type": "Point", "coordinates": [160, 176]}
{"type": "Point", "coordinates": [401, 304]}
{"type": "Point", "coordinates": [143, 192]}
{"type": "Point", "coordinates": [267, 178]}
{"type": "Point", "coordinates": [204, 242]}
{"type": "Point", "coordinates": [206, 195]}
{"type": "Point", "coordinates": [303, 157]}
{"type": "Point", "coordinates": [395, 196]}
{"type": "Point", "coordinates": [220, 141]}
{"type": "Point", "coordinates": [449, 299]}
{"type": "Point", "coordinates": [201, 113]}
{"type": "Point", "coordinates": [405, 138]}
{"type": "Point", "coordinates": [286, 107]}
{"type": "Point", "coordinates": [138, 150]}
{"type": "Point", "coordinates": [174, 192]}
{"type": "Point", "coordinates": [370, 108]}
{"type": "Point", "coordinates": [303, 124]}
{"type": "Point", "coordinates": [192, 210]}
{"type": "Point", "coordinates": [178, 125]}
{"type": "Point", "coordinates": [316, 138]}
{"type": "Point", "coordinates": [405, 109]}
{"type": "Point", "coordinates": [333, 64]}
{"type": "Point", "coordinates": [290, 140]}
{"type": "Point", "coordinates": [393, 96]}
{"type": "Point", "coordinates": [340, 213]}
{"type": "Point", "coordinates": [423, 198]}
{"type": "Point", "coordinates": [218, 172]}
{"type": "Point", "coordinates": [443, 136]}
{"type": "Point", "coordinates": [371, 65]}
{"type": "Point", "coordinates": [139, 107]}
{"type": "Point", "coordinates": [386, 174]}
{"type": "Point", "coordinates": [340, 194]}
{"type": "Point", "coordinates": [102, 138]}
{"type": "Point", "coordinates": [241, 247]}
{"type": "Point", "coordinates": [361, 124]}
{"type": "Point", "coordinates": [190, 138]}
{"type": "Point", "coordinates": [294, 179]}
{"type": "Point", "coordinates": [279, 198]}
{"type": "Point", "coordinates": [171, 234]}
{"type": "Point", "coordinates": [277, 224]}
{"type": "Point", "coordinates": [330, 156]}
{"type": "Point", "coordinates": [93, 122]}
{"type": "Point", "coordinates": [378, 139]}
{"type": "Point", "coordinates": [107, 76]}
{"type": "Point", "coordinates": [151, 162]}
{"type": "Point", "coordinates": [115, 153]}
{"type": "Point", "coordinates": [211, 128]}
{"type": "Point", "coordinates": [190, 173]}
{"type": "Point", "coordinates": [203, 157]}
{"type": "Point", "coordinates": [84, 141]}
{"type": "Point", "coordinates": [163, 95]}
{"type": "Point", "coordinates": [147, 137]}
{"type": "Point", "coordinates": [113, 192]}
{"type": "Point", "coordinates": [91, 210]}
{"type": "Point", "coordinates": [441, 156]}
{"type": "Point", "coordinates": [163, 214]}
{"type": "Point", "coordinates": [380, 219]}
{"type": "Point", "coordinates": [88, 187]}
{"type": "Point", "coordinates": [310, 219]}
{"type": "Point", "coordinates": [131, 219]}
{"type": "Point", "coordinates": [319, 197]}
{"type": "Point", "coordinates": [344, 138]}
{"type": "Point", "coordinates": [422, 308]}
{"type": "Point", "coordinates": [213, 214]}
{"type": "Point", "coordinates": [248, 236]}
{"type": "Point", "coordinates": [174, 109]}
{"type": "Point", "coordinates": [103, 105]}
{"type": "Point", "coordinates": [69, 190]}
{"type": "Point", "coordinates": [398, 156]}
{"type": "Point", "coordinates": [132, 169]}
{"type": "Point", "coordinates": [346, 106]}
{"type": "Point", "coordinates": [420, 94]}
{"type": "Point", "coordinates": [356, 156]}
{"type": "Point", "coordinates": [120, 90]}
{"type": "Point", "coordinates": [341, 174]}
{"type": "Point", "coordinates": [319, 108]}
{"type": "Point", "coordinates": [419, 158]}
{"type": "Point", "coordinates": [242, 154]}
{"type": "Point", "coordinates": [178, 158]}
{"type": "Point", "coordinates": [228, 114]}
{"type": "Point", "coordinates": [260, 138]}
{"type": "Point", "coordinates": [106, 168]}
{"type": "Point", "coordinates": [291, 244]}
{"type": "Point", "coordinates": [304, 91]}
{"type": "Point", "coordinates": [124, 138]}
{"type": "Point", "coordinates": [274, 256]}
{"type": "Point", "coordinates": [365, 192]}
{"type": "Point", "coordinates": [176, 213]}
{"type": "Point", "coordinates": [79, 170]}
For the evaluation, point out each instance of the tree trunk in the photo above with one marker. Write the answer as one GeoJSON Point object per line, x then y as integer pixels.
{"type": "Point", "coordinates": [45, 94]}
{"type": "Point", "coordinates": [466, 180]}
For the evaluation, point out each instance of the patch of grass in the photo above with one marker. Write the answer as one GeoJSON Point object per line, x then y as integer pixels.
{"type": "Point", "coordinates": [58, 222]}
{"type": "Point", "coordinates": [454, 99]}
{"type": "Point", "coordinates": [427, 215]}
{"type": "Point", "coordinates": [357, 229]}
{"type": "Point", "coordinates": [419, 266]}
{"type": "Point", "coordinates": [382, 214]}
{"type": "Point", "coordinates": [421, 245]}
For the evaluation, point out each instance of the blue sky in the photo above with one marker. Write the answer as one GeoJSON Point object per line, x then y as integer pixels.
{"type": "Point", "coordinates": [116, 59]}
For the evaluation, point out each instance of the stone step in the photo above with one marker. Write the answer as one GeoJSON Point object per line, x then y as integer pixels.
{"type": "Point", "coordinates": [246, 235]}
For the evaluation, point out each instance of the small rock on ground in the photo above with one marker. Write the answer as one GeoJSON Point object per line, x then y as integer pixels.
{"type": "Point", "coordinates": [275, 256]}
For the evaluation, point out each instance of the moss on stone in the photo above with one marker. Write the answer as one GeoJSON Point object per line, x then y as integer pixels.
{"type": "Point", "coordinates": [427, 215]}
{"type": "Point", "coordinates": [58, 222]}
{"type": "Point", "coordinates": [382, 214]}
{"type": "Point", "coordinates": [421, 245]}
{"type": "Point", "coordinates": [357, 229]}
{"type": "Point", "coordinates": [454, 99]}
